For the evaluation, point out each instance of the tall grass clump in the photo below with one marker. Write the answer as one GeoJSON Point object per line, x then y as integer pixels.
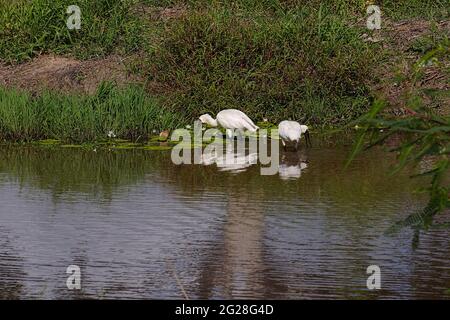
{"type": "Point", "coordinates": [28, 28]}
{"type": "Point", "coordinates": [128, 112]}
{"type": "Point", "coordinates": [307, 64]}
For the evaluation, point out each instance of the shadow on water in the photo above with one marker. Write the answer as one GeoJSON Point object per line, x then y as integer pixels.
{"type": "Point", "coordinates": [309, 231]}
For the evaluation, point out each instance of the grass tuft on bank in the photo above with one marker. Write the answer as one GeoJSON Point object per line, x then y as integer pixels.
{"type": "Point", "coordinates": [307, 64]}
{"type": "Point", "coordinates": [129, 113]}
{"type": "Point", "coordinates": [29, 28]}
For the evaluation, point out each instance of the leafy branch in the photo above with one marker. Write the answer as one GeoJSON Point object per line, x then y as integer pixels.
{"type": "Point", "coordinates": [425, 136]}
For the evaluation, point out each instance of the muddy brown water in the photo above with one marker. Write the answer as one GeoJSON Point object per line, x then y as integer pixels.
{"type": "Point", "coordinates": [134, 223]}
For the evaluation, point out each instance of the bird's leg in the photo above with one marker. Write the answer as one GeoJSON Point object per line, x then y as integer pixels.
{"type": "Point", "coordinates": [241, 134]}
{"type": "Point", "coordinates": [308, 139]}
{"type": "Point", "coordinates": [229, 133]}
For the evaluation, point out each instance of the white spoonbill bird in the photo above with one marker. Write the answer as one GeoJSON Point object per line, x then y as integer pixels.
{"type": "Point", "coordinates": [290, 133]}
{"type": "Point", "coordinates": [230, 119]}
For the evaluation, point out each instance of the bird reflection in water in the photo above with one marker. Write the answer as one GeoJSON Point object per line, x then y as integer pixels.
{"type": "Point", "coordinates": [231, 160]}
{"type": "Point", "coordinates": [291, 164]}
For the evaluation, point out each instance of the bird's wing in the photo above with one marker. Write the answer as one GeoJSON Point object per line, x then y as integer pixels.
{"type": "Point", "coordinates": [235, 119]}
{"type": "Point", "coordinates": [289, 130]}
{"type": "Point", "coordinates": [282, 130]}
{"type": "Point", "coordinates": [246, 122]}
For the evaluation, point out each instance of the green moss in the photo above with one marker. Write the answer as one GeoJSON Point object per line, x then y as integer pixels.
{"type": "Point", "coordinates": [48, 142]}
{"type": "Point", "coordinates": [154, 139]}
{"type": "Point", "coordinates": [157, 148]}
{"type": "Point", "coordinates": [71, 146]}
{"type": "Point", "coordinates": [266, 125]}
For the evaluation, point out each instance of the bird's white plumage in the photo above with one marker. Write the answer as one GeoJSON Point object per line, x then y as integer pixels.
{"type": "Point", "coordinates": [290, 131]}
{"type": "Point", "coordinates": [230, 119]}
{"type": "Point", "coordinates": [235, 119]}
{"type": "Point", "coordinates": [289, 171]}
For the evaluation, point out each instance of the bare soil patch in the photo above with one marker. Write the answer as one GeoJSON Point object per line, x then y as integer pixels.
{"type": "Point", "coordinates": [65, 74]}
{"type": "Point", "coordinates": [396, 84]}
{"type": "Point", "coordinates": [160, 13]}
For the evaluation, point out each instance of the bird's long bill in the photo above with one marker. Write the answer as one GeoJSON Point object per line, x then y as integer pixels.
{"type": "Point", "coordinates": [308, 139]}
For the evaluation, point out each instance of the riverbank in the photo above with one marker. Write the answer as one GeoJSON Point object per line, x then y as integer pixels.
{"type": "Point", "coordinates": [173, 60]}
{"type": "Point", "coordinates": [127, 113]}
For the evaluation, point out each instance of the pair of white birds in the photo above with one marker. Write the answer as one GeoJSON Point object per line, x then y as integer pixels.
{"type": "Point", "coordinates": [290, 132]}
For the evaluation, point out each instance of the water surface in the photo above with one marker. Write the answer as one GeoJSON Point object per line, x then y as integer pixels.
{"type": "Point", "coordinates": [134, 223]}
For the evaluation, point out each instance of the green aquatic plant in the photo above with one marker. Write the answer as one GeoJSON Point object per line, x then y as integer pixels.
{"type": "Point", "coordinates": [71, 146]}
{"type": "Point", "coordinates": [48, 142]}
{"type": "Point", "coordinates": [111, 144]}
{"type": "Point", "coordinates": [157, 147]}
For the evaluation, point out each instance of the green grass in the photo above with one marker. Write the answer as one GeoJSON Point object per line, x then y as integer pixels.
{"type": "Point", "coordinates": [407, 9]}
{"type": "Point", "coordinates": [31, 27]}
{"type": "Point", "coordinates": [129, 113]}
{"type": "Point", "coordinates": [278, 59]}
{"type": "Point", "coordinates": [307, 64]}
{"type": "Point", "coordinates": [395, 9]}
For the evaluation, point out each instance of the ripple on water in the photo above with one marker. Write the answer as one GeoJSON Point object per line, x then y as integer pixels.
{"type": "Point", "coordinates": [134, 223]}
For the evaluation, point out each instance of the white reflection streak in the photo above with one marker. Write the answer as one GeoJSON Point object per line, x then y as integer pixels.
{"type": "Point", "coordinates": [291, 166]}
{"type": "Point", "coordinates": [230, 161]}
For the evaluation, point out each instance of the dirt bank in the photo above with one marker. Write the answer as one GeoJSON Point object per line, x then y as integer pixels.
{"type": "Point", "coordinates": [66, 74]}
